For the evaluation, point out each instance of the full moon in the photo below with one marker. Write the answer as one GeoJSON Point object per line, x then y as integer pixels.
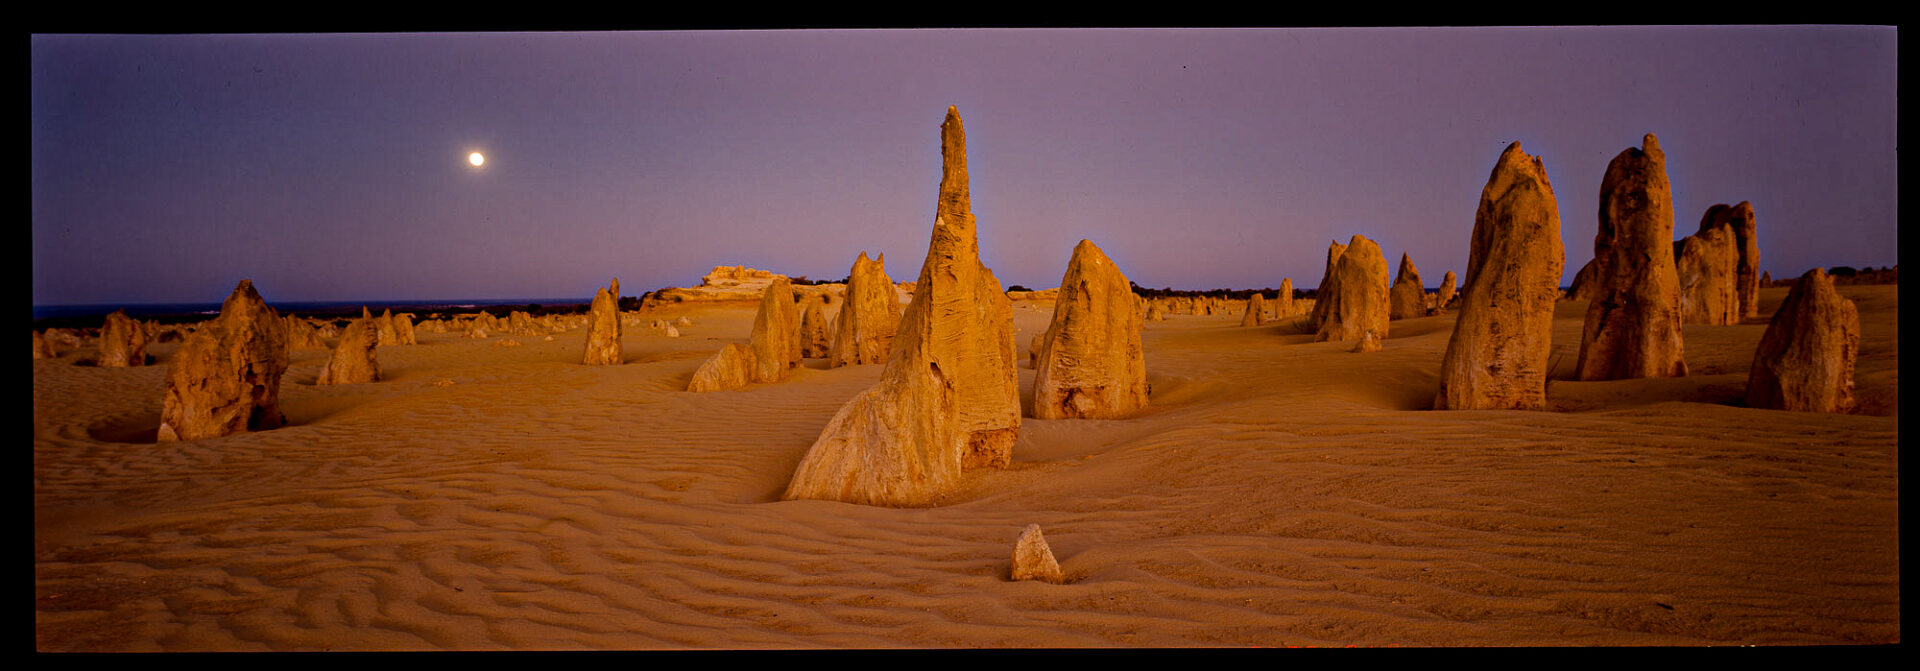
{"type": "Point", "coordinates": [476, 159]}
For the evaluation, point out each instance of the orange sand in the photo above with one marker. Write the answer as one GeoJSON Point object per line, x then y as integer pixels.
{"type": "Point", "coordinates": [1278, 492]}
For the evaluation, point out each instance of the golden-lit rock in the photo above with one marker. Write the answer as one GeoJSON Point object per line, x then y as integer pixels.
{"type": "Point", "coordinates": [1737, 221]}
{"type": "Point", "coordinates": [225, 378]}
{"type": "Point", "coordinates": [1033, 560]}
{"type": "Point", "coordinates": [1632, 328]}
{"type": "Point", "coordinates": [123, 342]}
{"type": "Point", "coordinates": [1497, 357]}
{"type": "Point", "coordinates": [1256, 311]}
{"type": "Point", "coordinates": [1705, 265]}
{"type": "Point", "coordinates": [603, 327]}
{"type": "Point", "coordinates": [948, 400]}
{"type": "Point", "coordinates": [1323, 293]}
{"type": "Point", "coordinates": [1090, 364]}
{"type": "Point", "coordinates": [813, 329]}
{"type": "Point", "coordinates": [1358, 302]}
{"type": "Point", "coordinates": [1805, 359]}
{"type": "Point", "coordinates": [355, 360]}
{"type": "Point", "coordinates": [775, 339]}
{"type": "Point", "coordinates": [865, 329]}
{"type": "Point", "coordinates": [1447, 287]}
{"type": "Point", "coordinates": [1407, 298]}
{"type": "Point", "coordinates": [730, 368]}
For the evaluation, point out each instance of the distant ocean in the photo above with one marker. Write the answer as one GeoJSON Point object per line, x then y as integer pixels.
{"type": "Point", "coordinates": [78, 314]}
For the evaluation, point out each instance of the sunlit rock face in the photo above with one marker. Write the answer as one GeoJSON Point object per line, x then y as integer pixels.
{"type": "Point", "coordinates": [1705, 265]}
{"type": "Point", "coordinates": [1632, 329]}
{"type": "Point", "coordinates": [1256, 311]}
{"type": "Point", "coordinates": [730, 368]}
{"type": "Point", "coordinates": [1737, 221]}
{"type": "Point", "coordinates": [1324, 292]}
{"type": "Point", "coordinates": [1358, 302]}
{"type": "Point", "coordinates": [1805, 359]}
{"type": "Point", "coordinates": [225, 378]}
{"type": "Point", "coordinates": [354, 359]}
{"type": "Point", "coordinates": [403, 329]}
{"type": "Point", "coordinates": [1497, 358]}
{"type": "Point", "coordinates": [1283, 306]}
{"type": "Point", "coordinates": [948, 400]}
{"type": "Point", "coordinates": [1091, 364]}
{"type": "Point", "coordinates": [1448, 284]}
{"type": "Point", "coordinates": [603, 327]}
{"type": "Point", "coordinates": [123, 343]}
{"type": "Point", "coordinates": [1408, 297]}
{"type": "Point", "coordinates": [775, 339]}
{"type": "Point", "coordinates": [868, 318]}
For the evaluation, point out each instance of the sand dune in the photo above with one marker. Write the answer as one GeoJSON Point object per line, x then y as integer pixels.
{"type": "Point", "coordinates": [1277, 492]}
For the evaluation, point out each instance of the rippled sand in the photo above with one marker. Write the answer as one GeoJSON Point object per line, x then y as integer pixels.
{"type": "Point", "coordinates": [1279, 492]}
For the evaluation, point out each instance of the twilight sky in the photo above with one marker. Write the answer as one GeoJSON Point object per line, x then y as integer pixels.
{"type": "Point", "coordinates": [333, 167]}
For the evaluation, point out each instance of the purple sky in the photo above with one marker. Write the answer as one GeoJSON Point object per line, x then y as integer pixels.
{"type": "Point", "coordinates": [333, 167]}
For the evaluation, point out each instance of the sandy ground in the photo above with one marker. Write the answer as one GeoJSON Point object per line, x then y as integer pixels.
{"type": "Point", "coordinates": [1279, 492]}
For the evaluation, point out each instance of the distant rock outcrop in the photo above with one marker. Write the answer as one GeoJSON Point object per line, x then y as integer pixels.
{"type": "Point", "coordinates": [1283, 305]}
{"type": "Point", "coordinates": [603, 327]}
{"type": "Point", "coordinates": [388, 334]}
{"type": "Point", "coordinates": [302, 335]}
{"type": "Point", "coordinates": [730, 368]}
{"type": "Point", "coordinates": [354, 359]}
{"type": "Point", "coordinates": [1805, 358]}
{"type": "Point", "coordinates": [225, 379]}
{"type": "Point", "coordinates": [1033, 560]}
{"type": "Point", "coordinates": [1497, 358]}
{"type": "Point", "coordinates": [1705, 265]}
{"type": "Point", "coordinates": [403, 328]}
{"type": "Point", "coordinates": [42, 347]}
{"type": "Point", "coordinates": [1584, 287]}
{"type": "Point", "coordinates": [1358, 302]}
{"type": "Point", "coordinates": [1737, 221]}
{"type": "Point", "coordinates": [123, 342]}
{"type": "Point", "coordinates": [813, 330]}
{"type": "Point", "coordinates": [1256, 311]}
{"type": "Point", "coordinates": [948, 400]}
{"type": "Point", "coordinates": [775, 339]}
{"type": "Point", "coordinates": [1407, 298]}
{"type": "Point", "coordinates": [1632, 328]}
{"type": "Point", "coordinates": [1448, 283]}
{"type": "Point", "coordinates": [1091, 365]}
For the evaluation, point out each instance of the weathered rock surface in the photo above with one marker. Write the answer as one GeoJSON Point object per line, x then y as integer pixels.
{"type": "Point", "coordinates": [1497, 358]}
{"type": "Point", "coordinates": [813, 330]}
{"type": "Point", "coordinates": [388, 335]}
{"type": "Point", "coordinates": [1805, 359]}
{"type": "Point", "coordinates": [868, 318]}
{"type": "Point", "coordinates": [403, 329]}
{"type": "Point", "coordinates": [302, 335]}
{"type": "Point", "coordinates": [1358, 302]}
{"type": "Point", "coordinates": [1283, 305]}
{"type": "Point", "coordinates": [1705, 263]}
{"type": "Point", "coordinates": [1256, 311]}
{"type": "Point", "coordinates": [603, 327]}
{"type": "Point", "coordinates": [1090, 364]}
{"type": "Point", "coordinates": [775, 339]}
{"type": "Point", "coordinates": [123, 342]}
{"type": "Point", "coordinates": [354, 360]}
{"type": "Point", "coordinates": [948, 400]}
{"type": "Point", "coordinates": [1323, 294]}
{"type": "Point", "coordinates": [1407, 298]}
{"type": "Point", "coordinates": [730, 368]}
{"type": "Point", "coordinates": [42, 347]}
{"type": "Point", "coordinates": [1584, 287]}
{"type": "Point", "coordinates": [1444, 299]}
{"type": "Point", "coordinates": [1737, 221]}
{"type": "Point", "coordinates": [225, 379]}
{"type": "Point", "coordinates": [1033, 560]}
{"type": "Point", "coordinates": [1632, 327]}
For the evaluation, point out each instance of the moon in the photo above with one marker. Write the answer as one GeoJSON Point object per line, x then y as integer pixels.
{"type": "Point", "coordinates": [476, 159]}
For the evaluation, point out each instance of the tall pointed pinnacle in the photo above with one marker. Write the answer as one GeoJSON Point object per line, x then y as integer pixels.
{"type": "Point", "coordinates": [955, 205]}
